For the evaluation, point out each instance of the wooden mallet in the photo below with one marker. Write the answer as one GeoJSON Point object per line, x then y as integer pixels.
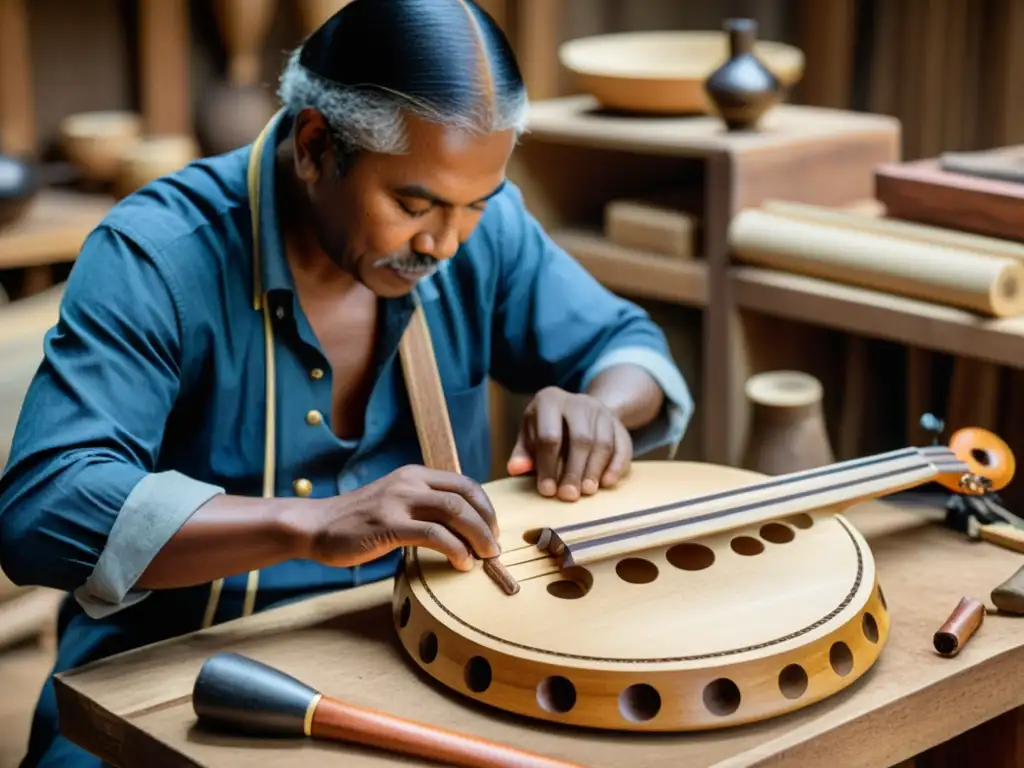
{"type": "Point", "coordinates": [238, 693]}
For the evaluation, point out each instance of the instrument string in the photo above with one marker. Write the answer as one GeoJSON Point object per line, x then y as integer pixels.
{"type": "Point", "coordinates": [948, 459]}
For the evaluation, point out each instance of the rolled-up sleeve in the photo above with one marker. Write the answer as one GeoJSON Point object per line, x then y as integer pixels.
{"type": "Point", "coordinates": [554, 324]}
{"type": "Point", "coordinates": [82, 506]}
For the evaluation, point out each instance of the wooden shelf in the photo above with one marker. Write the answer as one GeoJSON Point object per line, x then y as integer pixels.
{"type": "Point", "coordinates": [577, 120]}
{"type": "Point", "coordinates": [880, 315]}
{"type": "Point", "coordinates": [52, 230]}
{"type": "Point", "coordinates": [634, 272]}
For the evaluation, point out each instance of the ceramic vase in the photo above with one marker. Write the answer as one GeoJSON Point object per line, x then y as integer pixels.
{"type": "Point", "coordinates": [742, 89]}
{"type": "Point", "coordinates": [788, 431]}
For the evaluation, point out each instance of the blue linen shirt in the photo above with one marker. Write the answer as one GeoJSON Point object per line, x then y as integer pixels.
{"type": "Point", "coordinates": [150, 396]}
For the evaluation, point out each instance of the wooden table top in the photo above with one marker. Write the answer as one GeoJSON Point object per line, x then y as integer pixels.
{"type": "Point", "coordinates": [53, 228]}
{"type": "Point", "coordinates": [135, 708]}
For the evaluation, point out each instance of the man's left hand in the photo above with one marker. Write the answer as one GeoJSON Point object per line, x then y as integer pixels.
{"type": "Point", "coordinates": [575, 443]}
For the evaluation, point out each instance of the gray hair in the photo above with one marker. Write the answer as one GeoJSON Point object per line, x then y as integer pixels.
{"type": "Point", "coordinates": [372, 119]}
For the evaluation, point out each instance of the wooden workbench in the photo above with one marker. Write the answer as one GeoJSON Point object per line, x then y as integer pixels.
{"type": "Point", "coordinates": [135, 709]}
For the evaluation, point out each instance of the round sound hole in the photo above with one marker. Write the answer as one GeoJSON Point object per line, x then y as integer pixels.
{"type": "Point", "coordinates": [478, 674]}
{"type": "Point", "coordinates": [747, 546]}
{"type": "Point", "coordinates": [574, 584]}
{"type": "Point", "coordinates": [556, 694]}
{"type": "Point", "coordinates": [636, 570]}
{"type": "Point", "coordinates": [690, 557]}
{"type": "Point", "coordinates": [639, 703]}
{"type": "Point", "coordinates": [802, 520]}
{"type": "Point", "coordinates": [777, 533]}
{"type": "Point", "coordinates": [428, 647]}
{"type": "Point", "coordinates": [722, 697]}
{"type": "Point", "coordinates": [870, 627]}
{"type": "Point", "coordinates": [793, 681]}
{"type": "Point", "coordinates": [841, 659]}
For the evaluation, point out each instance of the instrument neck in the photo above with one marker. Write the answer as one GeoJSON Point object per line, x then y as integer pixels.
{"type": "Point", "coordinates": [830, 487]}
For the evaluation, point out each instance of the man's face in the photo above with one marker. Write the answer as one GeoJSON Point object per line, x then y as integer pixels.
{"type": "Point", "coordinates": [391, 219]}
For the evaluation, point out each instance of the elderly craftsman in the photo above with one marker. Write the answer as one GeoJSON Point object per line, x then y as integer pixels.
{"type": "Point", "coordinates": [136, 476]}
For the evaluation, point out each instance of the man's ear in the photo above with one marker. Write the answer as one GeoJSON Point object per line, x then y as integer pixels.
{"type": "Point", "coordinates": [312, 143]}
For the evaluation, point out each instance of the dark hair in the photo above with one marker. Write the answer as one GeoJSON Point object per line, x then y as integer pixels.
{"type": "Point", "coordinates": [445, 61]}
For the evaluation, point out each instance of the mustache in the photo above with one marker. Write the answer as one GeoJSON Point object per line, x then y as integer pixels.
{"type": "Point", "coordinates": [412, 260]}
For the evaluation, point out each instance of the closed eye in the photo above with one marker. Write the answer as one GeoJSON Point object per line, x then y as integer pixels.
{"type": "Point", "coordinates": [415, 212]}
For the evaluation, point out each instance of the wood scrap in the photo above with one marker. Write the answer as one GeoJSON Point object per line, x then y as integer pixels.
{"type": "Point", "coordinates": [651, 226]}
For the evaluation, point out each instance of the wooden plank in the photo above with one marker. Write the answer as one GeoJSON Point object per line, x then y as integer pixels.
{"type": "Point", "coordinates": [921, 191]}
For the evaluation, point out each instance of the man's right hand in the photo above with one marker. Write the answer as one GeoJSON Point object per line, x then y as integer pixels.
{"type": "Point", "coordinates": [411, 507]}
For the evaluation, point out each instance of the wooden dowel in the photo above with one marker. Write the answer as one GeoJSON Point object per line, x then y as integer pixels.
{"type": "Point", "coordinates": [959, 627]}
{"type": "Point", "coordinates": [238, 693]}
{"type": "Point", "coordinates": [986, 284]}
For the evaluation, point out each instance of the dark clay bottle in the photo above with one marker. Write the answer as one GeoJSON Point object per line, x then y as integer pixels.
{"type": "Point", "coordinates": [743, 88]}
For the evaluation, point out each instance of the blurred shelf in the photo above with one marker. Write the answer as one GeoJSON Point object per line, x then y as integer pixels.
{"type": "Point", "coordinates": [578, 120]}
{"type": "Point", "coordinates": [634, 272]}
{"type": "Point", "coordinates": [52, 229]}
{"type": "Point", "coordinates": [880, 315]}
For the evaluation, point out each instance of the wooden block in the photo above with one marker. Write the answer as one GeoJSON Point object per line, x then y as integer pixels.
{"type": "Point", "coordinates": [922, 191]}
{"type": "Point", "coordinates": [651, 226]}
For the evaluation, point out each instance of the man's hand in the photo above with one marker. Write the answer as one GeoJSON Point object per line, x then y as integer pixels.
{"type": "Point", "coordinates": [576, 444]}
{"type": "Point", "coordinates": [410, 507]}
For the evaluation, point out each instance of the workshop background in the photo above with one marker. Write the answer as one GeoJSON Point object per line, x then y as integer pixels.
{"type": "Point", "coordinates": [99, 96]}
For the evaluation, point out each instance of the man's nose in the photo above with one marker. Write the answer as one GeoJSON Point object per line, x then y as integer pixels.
{"type": "Point", "coordinates": [442, 242]}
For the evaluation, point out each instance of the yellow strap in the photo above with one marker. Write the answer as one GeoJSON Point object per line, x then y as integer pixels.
{"type": "Point", "coordinates": [270, 411]}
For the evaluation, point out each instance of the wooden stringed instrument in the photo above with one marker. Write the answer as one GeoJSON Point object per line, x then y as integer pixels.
{"type": "Point", "coordinates": [692, 596]}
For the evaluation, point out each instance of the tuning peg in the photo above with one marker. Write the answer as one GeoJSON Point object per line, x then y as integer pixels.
{"type": "Point", "coordinates": [931, 423]}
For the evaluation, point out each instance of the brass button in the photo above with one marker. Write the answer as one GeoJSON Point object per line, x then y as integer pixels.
{"type": "Point", "coordinates": [302, 487]}
{"type": "Point", "coordinates": [316, 373]}
{"type": "Point", "coordinates": [313, 418]}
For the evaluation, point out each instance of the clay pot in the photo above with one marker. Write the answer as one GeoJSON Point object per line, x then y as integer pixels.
{"type": "Point", "coordinates": [788, 431]}
{"type": "Point", "coordinates": [743, 89]}
{"type": "Point", "coordinates": [232, 116]}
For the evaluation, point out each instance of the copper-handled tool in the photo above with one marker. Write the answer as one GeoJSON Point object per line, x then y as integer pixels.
{"type": "Point", "coordinates": [247, 696]}
{"type": "Point", "coordinates": [959, 627]}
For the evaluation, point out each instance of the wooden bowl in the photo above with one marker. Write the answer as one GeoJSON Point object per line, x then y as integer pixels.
{"type": "Point", "coordinates": [663, 72]}
{"type": "Point", "coordinates": [94, 141]}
